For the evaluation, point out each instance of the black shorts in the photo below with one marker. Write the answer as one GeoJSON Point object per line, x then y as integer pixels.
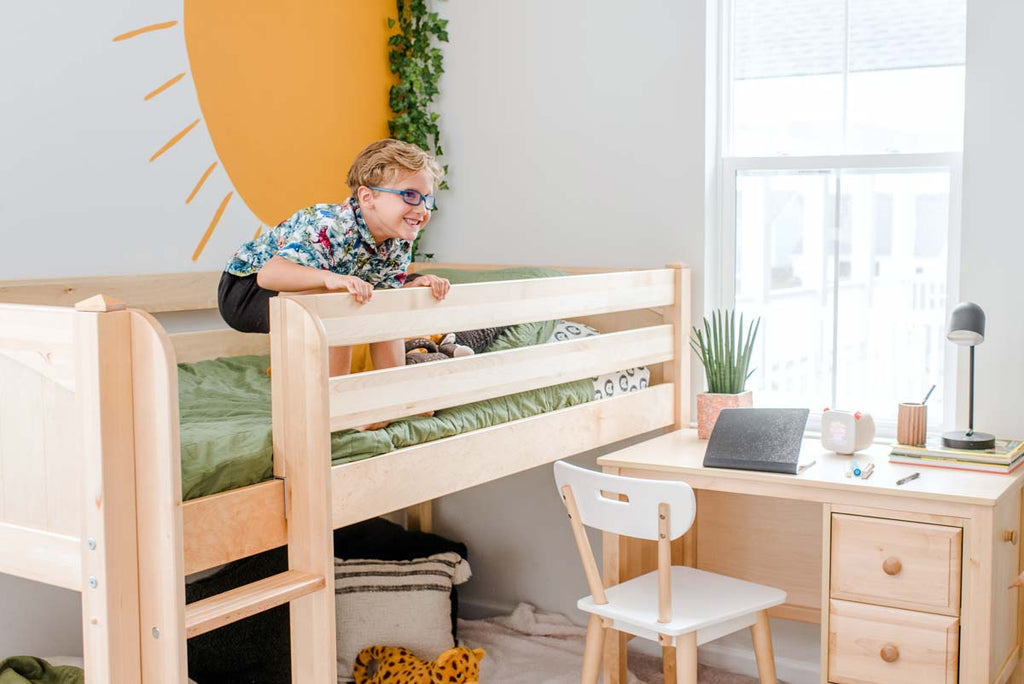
{"type": "Point", "coordinates": [243, 304]}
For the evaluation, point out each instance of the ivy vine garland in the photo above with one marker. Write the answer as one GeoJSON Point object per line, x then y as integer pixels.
{"type": "Point", "coordinates": [416, 60]}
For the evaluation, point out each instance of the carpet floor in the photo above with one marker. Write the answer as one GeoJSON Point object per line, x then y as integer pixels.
{"type": "Point", "coordinates": [528, 647]}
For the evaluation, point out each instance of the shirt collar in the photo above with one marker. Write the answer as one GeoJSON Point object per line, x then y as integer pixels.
{"type": "Point", "coordinates": [364, 230]}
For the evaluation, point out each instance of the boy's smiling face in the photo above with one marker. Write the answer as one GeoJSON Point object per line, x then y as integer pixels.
{"type": "Point", "coordinates": [388, 216]}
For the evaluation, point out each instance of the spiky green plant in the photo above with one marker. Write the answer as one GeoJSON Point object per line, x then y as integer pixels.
{"type": "Point", "coordinates": [724, 348]}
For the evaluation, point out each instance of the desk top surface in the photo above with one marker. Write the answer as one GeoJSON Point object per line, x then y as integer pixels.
{"type": "Point", "coordinates": [681, 453]}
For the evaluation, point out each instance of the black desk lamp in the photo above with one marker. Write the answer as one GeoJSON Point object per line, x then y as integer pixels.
{"type": "Point", "coordinates": [967, 328]}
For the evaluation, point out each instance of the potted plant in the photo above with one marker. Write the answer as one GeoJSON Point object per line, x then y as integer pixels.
{"type": "Point", "coordinates": [724, 349]}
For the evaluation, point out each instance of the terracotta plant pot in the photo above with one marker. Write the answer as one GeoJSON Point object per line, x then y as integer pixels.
{"type": "Point", "coordinates": [710, 405]}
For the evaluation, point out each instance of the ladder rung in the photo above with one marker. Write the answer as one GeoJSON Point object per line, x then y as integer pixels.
{"type": "Point", "coordinates": [231, 606]}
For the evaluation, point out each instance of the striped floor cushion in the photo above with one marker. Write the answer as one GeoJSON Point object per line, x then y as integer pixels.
{"type": "Point", "coordinates": [395, 603]}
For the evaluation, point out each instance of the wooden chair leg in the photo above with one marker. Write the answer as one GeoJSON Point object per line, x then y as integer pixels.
{"type": "Point", "coordinates": [668, 663]}
{"type": "Point", "coordinates": [686, 658]}
{"type": "Point", "coordinates": [762, 636]}
{"type": "Point", "coordinates": [615, 657]}
{"type": "Point", "coordinates": [593, 651]}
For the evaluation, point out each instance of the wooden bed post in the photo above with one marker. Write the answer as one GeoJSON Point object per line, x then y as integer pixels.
{"type": "Point", "coordinates": [302, 439]}
{"type": "Point", "coordinates": [158, 489]}
{"type": "Point", "coordinates": [678, 370]}
{"type": "Point", "coordinates": [110, 577]}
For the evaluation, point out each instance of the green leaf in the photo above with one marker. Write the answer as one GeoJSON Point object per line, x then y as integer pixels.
{"type": "Point", "coordinates": [724, 347]}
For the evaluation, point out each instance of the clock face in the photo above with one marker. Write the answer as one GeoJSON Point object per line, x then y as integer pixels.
{"type": "Point", "coordinates": [288, 93]}
{"type": "Point", "coordinates": [838, 429]}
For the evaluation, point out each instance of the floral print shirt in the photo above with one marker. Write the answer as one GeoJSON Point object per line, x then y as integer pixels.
{"type": "Point", "coordinates": [332, 237]}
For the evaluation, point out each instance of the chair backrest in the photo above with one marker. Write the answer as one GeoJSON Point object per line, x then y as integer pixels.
{"type": "Point", "coordinates": [600, 507]}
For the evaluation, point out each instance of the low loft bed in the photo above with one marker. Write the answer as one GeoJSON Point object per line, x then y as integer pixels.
{"type": "Point", "coordinates": [90, 469]}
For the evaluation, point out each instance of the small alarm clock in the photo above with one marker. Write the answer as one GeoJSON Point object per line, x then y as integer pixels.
{"type": "Point", "coordinates": [845, 432]}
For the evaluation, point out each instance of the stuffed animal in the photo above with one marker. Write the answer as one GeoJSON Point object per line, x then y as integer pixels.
{"type": "Point", "coordinates": [396, 665]}
{"type": "Point", "coordinates": [448, 346]}
{"type": "Point", "coordinates": [434, 348]}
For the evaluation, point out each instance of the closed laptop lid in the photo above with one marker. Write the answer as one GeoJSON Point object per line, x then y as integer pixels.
{"type": "Point", "coordinates": [766, 439]}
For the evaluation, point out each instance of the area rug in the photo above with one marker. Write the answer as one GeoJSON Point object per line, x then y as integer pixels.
{"type": "Point", "coordinates": [528, 647]}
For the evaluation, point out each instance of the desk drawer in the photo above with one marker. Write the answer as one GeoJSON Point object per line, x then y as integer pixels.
{"type": "Point", "coordinates": [896, 563]}
{"type": "Point", "coordinates": [890, 646]}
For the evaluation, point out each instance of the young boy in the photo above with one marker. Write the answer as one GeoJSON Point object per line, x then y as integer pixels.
{"type": "Point", "coordinates": [361, 244]}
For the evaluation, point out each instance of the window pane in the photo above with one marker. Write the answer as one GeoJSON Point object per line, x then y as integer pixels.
{"type": "Point", "coordinates": [792, 115]}
{"type": "Point", "coordinates": [891, 310]}
{"type": "Point", "coordinates": [905, 111]}
{"type": "Point", "coordinates": [784, 253]}
{"type": "Point", "coordinates": [822, 77]}
{"type": "Point", "coordinates": [787, 65]}
{"type": "Point", "coordinates": [890, 35]}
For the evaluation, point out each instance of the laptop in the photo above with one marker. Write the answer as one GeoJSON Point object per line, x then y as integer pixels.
{"type": "Point", "coordinates": [765, 439]}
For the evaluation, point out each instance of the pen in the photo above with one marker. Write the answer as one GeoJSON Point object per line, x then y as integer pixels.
{"type": "Point", "coordinates": [855, 468]}
{"type": "Point", "coordinates": [908, 478]}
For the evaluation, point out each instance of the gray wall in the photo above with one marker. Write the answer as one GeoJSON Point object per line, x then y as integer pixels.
{"type": "Point", "coordinates": [993, 228]}
{"type": "Point", "coordinates": [575, 135]}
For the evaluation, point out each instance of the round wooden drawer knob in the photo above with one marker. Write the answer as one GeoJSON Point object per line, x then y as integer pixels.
{"type": "Point", "coordinates": [890, 653]}
{"type": "Point", "coordinates": [892, 566]}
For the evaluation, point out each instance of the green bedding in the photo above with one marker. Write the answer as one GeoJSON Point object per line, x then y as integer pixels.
{"type": "Point", "coordinates": [29, 670]}
{"type": "Point", "coordinates": [226, 423]}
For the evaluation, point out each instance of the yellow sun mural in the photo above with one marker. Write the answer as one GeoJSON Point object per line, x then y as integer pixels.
{"type": "Point", "coordinates": [288, 92]}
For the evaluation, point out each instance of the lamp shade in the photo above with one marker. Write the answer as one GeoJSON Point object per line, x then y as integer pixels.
{"type": "Point", "coordinates": [966, 325]}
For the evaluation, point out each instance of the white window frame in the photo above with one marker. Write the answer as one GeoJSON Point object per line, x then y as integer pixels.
{"type": "Point", "coordinates": [720, 252]}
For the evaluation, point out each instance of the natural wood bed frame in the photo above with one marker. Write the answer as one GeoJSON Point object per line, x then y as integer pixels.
{"type": "Point", "coordinates": [90, 482]}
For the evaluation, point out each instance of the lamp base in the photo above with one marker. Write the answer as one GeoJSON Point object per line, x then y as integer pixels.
{"type": "Point", "coordinates": [964, 440]}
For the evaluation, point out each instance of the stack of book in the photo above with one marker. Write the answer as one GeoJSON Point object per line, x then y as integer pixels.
{"type": "Point", "coordinates": [1004, 458]}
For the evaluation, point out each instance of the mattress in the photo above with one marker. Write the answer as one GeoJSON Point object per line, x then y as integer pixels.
{"type": "Point", "coordinates": [224, 407]}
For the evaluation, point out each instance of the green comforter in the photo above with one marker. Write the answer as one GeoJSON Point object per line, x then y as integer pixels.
{"type": "Point", "coordinates": [226, 424]}
{"type": "Point", "coordinates": [29, 670]}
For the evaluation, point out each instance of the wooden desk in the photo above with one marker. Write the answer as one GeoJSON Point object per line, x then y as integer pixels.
{"type": "Point", "coordinates": [924, 566]}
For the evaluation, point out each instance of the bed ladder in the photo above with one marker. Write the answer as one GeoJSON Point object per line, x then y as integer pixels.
{"type": "Point", "coordinates": [302, 462]}
{"type": "Point", "coordinates": [237, 604]}
{"type": "Point", "coordinates": [310, 593]}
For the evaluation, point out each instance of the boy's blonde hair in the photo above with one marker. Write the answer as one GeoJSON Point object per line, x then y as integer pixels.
{"type": "Point", "coordinates": [383, 161]}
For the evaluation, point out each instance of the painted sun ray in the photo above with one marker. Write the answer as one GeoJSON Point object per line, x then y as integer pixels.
{"type": "Point", "coordinates": [206, 174]}
{"type": "Point", "coordinates": [145, 29]}
{"type": "Point", "coordinates": [165, 86]}
{"type": "Point", "coordinates": [213, 224]}
{"type": "Point", "coordinates": [259, 230]}
{"type": "Point", "coordinates": [170, 143]}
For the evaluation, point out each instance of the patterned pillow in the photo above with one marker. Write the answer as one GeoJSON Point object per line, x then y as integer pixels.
{"type": "Point", "coordinates": [609, 384]}
{"type": "Point", "coordinates": [395, 603]}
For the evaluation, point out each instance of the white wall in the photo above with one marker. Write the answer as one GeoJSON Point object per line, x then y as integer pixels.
{"type": "Point", "coordinates": [575, 135]}
{"type": "Point", "coordinates": [993, 227]}
{"type": "Point", "coordinates": [78, 193]}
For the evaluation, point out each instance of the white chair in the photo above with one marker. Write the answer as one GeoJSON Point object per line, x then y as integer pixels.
{"type": "Point", "coordinates": [678, 607]}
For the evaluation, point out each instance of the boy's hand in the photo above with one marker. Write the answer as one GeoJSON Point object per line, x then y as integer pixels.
{"type": "Point", "coordinates": [438, 286]}
{"type": "Point", "coordinates": [359, 288]}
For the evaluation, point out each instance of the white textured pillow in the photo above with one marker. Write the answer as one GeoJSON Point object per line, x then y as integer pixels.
{"type": "Point", "coordinates": [610, 384]}
{"type": "Point", "coordinates": [395, 603]}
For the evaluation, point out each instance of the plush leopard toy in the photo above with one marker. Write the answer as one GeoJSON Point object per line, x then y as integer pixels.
{"type": "Point", "coordinates": [396, 665]}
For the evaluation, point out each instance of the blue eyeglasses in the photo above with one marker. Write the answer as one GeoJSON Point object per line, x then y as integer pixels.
{"type": "Point", "coordinates": [412, 197]}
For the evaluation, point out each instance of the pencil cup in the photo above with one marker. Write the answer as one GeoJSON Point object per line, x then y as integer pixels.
{"type": "Point", "coordinates": [912, 424]}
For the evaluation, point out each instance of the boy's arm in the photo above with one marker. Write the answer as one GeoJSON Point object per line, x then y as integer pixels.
{"type": "Point", "coordinates": [282, 275]}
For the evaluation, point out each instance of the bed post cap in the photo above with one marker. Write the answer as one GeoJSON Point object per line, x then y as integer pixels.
{"type": "Point", "coordinates": [100, 304]}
